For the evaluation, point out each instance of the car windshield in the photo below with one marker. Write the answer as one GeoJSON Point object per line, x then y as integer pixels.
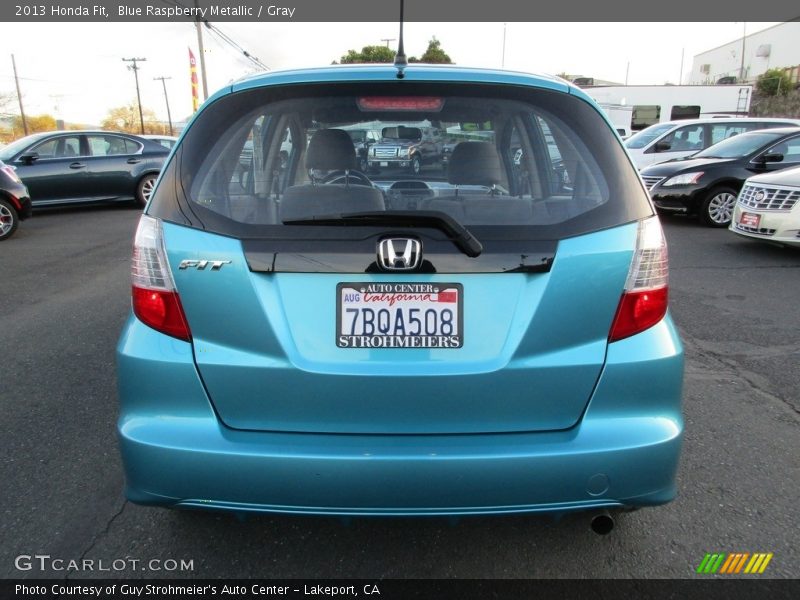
{"type": "Point", "coordinates": [645, 136]}
{"type": "Point", "coordinates": [14, 148]}
{"type": "Point", "coordinates": [738, 146]}
{"type": "Point", "coordinates": [480, 160]}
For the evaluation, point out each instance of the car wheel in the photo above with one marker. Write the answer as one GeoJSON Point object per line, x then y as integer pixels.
{"type": "Point", "coordinates": [145, 188]}
{"type": "Point", "coordinates": [717, 209]}
{"type": "Point", "coordinates": [8, 219]}
{"type": "Point", "coordinates": [416, 166]}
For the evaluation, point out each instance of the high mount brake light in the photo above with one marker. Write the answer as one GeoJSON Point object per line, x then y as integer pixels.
{"type": "Point", "coordinates": [644, 300]}
{"type": "Point", "coordinates": [155, 300]}
{"type": "Point", "coordinates": [400, 103]}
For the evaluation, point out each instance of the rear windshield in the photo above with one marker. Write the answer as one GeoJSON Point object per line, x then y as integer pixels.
{"type": "Point", "coordinates": [484, 155]}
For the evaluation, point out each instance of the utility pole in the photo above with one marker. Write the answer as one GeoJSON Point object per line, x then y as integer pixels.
{"type": "Point", "coordinates": [19, 97]}
{"type": "Point", "coordinates": [680, 75]}
{"type": "Point", "coordinates": [387, 40]}
{"type": "Point", "coordinates": [166, 98]}
{"type": "Point", "coordinates": [202, 54]}
{"type": "Point", "coordinates": [135, 70]}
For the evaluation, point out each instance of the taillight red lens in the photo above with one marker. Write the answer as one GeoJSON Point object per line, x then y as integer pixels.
{"type": "Point", "coordinates": [155, 299]}
{"type": "Point", "coordinates": [162, 311]}
{"type": "Point", "coordinates": [644, 299]}
{"type": "Point", "coordinates": [638, 311]}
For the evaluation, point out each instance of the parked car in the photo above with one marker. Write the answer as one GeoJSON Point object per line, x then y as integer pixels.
{"type": "Point", "coordinates": [15, 204]}
{"type": "Point", "coordinates": [65, 167]}
{"type": "Point", "coordinates": [309, 340]}
{"type": "Point", "coordinates": [768, 208]}
{"type": "Point", "coordinates": [406, 147]}
{"type": "Point", "coordinates": [362, 141]}
{"type": "Point", "coordinates": [167, 141]}
{"type": "Point", "coordinates": [664, 141]}
{"type": "Point", "coordinates": [707, 182]}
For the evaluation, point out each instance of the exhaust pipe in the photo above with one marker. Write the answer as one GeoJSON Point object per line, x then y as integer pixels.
{"type": "Point", "coordinates": [602, 522]}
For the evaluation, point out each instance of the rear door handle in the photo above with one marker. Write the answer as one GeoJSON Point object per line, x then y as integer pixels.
{"type": "Point", "coordinates": [133, 161]}
{"type": "Point", "coordinates": [77, 165]}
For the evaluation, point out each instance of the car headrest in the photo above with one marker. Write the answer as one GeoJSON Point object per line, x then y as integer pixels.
{"type": "Point", "coordinates": [331, 150]}
{"type": "Point", "coordinates": [474, 163]}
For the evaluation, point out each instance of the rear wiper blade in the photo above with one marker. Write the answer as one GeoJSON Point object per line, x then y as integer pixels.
{"type": "Point", "coordinates": [460, 235]}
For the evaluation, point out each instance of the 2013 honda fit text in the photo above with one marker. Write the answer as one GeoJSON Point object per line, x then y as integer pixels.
{"type": "Point", "coordinates": [487, 335]}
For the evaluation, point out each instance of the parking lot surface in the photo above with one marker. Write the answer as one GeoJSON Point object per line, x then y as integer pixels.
{"type": "Point", "coordinates": [64, 295]}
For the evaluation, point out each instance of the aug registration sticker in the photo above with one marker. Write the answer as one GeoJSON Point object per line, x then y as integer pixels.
{"type": "Point", "coordinates": [399, 315]}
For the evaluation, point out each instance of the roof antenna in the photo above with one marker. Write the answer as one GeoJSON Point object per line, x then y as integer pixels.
{"type": "Point", "coordinates": [400, 60]}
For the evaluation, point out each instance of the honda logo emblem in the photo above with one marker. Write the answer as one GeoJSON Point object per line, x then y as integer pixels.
{"type": "Point", "coordinates": [399, 254]}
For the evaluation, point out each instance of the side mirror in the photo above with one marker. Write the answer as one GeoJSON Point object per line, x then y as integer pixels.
{"type": "Point", "coordinates": [29, 158]}
{"type": "Point", "coordinates": [663, 146]}
{"type": "Point", "coordinates": [771, 157]}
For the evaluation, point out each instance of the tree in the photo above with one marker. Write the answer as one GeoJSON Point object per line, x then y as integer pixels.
{"type": "Point", "coordinates": [369, 54]}
{"type": "Point", "coordinates": [774, 82]}
{"type": "Point", "coordinates": [36, 123]}
{"type": "Point", "coordinates": [435, 54]}
{"type": "Point", "coordinates": [126, 118]}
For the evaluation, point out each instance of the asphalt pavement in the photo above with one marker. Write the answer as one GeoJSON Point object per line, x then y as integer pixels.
{"type": "Point", "coordinates": [64, 295]}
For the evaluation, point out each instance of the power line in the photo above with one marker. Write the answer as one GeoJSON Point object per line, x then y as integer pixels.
{"type": "Point", "coordinates": [225, 37]}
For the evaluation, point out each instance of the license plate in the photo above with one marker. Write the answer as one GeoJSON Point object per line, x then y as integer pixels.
{"type": "Point", "coordinates": [749, 219]}
{"type": "Point", "coordinates": [399, 315]}
{"type": "Point", "coordinates": [384, 164]}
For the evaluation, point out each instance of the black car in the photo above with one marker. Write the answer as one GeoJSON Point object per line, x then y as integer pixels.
{"type": "Point", "coordinates": [65, 167]}
{"type": "Point", "coordinates": [707, 182]}
{"type": "Point", "coordinates": [15, 204]}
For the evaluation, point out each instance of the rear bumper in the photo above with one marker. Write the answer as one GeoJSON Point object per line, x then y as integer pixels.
{"type": "Point", "coordinates": [624, 452]}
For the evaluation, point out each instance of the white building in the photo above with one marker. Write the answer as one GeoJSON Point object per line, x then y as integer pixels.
{"type": "Point", "coordinates": [775, 47]}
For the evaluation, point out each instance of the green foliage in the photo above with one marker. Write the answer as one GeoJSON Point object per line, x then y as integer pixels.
{"type": "Point", "coordinates": [774, 82]}
{"type": "Point", "coordinates": [382, 54]}
{"type": "Point", "coordinates": [369, 54]}
{"type": "Point", "coordinates": [435, 54]}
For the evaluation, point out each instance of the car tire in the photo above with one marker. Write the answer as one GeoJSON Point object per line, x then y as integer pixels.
{"type": "Point", "coordinates": [9, 219]}
{"type": "Point", "coordinates": [145, 187]}
{"type": "Point", "coordinates": [717, 208]}
{"type": "Point", "coordinates": [416, 165]}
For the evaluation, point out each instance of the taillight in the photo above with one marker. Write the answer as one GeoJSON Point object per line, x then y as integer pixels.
{"type": "Point", "coordinates": [155, 300]}
{"type": "Point", "coordinates": [644, 300]}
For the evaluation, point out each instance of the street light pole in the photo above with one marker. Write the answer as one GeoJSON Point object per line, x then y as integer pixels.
{"type": "Point", "coordinates": [166, 98]}
{"type": "Point", "coordinates": [135, 70]}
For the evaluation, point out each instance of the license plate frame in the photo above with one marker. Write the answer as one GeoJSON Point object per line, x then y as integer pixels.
{"type": "Point", "coordinates": [400, 289]}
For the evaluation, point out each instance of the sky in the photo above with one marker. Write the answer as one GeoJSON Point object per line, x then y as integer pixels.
{"type": "Point", "coordinates": [75, 72]}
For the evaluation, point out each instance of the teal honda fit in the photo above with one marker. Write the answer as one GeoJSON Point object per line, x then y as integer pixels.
{"type": "Point", "coordinates": [485, 333]}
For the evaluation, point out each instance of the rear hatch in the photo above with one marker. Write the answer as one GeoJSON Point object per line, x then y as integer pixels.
{"type": "Point", "coordinates": [301, 322]}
